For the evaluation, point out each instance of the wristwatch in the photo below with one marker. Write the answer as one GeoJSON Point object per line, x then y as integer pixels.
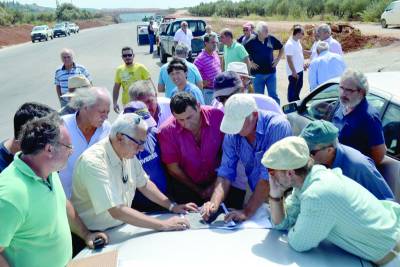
{"type": "Point", "coordinates": [172, 206]}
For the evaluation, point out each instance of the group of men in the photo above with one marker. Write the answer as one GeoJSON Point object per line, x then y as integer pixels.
{"type": "Point", "coordinates": [182, 148]}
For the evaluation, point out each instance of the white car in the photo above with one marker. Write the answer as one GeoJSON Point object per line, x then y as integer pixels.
{"type": "Point", "coordinates": [42, 32]}
{"type": "Point", "coordinates": [391, 15]}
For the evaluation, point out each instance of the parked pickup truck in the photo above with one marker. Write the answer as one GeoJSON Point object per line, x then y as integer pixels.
{"type": "Point", "coordinates": [42, 32]}
{"type": "Point", "coordinates": [167, 45]}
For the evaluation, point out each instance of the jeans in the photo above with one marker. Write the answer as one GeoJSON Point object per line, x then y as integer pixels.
{"type": "Point", "coordinates": [269, 80]}
{"type": "Point", "coordinates": [151, 42]}
{"type": "Point", "coordinates": [208, 95]}
{"type": "Point", "coordinates": [294, 87]}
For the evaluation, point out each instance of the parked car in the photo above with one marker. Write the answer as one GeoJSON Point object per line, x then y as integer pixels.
{"type": "Point", "coordinates": [42, 32]}
{"type": "Point", "coordinates": [162, 29]}
{"type": "Point", "coordinates": [391, 15]}
{"type": "Point", "coordinates": [167, 45]}
{"type": "Point", "coordinates": [73, 28]}
{"type": "Point", "coordinates": [384, 95]}
{"type": "Point", "coordinates": [60, 30]}
{"type": "Point", "coordinates": [142, 33]}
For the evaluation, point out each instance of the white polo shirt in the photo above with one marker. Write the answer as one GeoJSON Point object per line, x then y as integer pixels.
{"type": "Point", "coordinates": [293, 48]}
{"type": "Point", "coordinates": [182, 37]}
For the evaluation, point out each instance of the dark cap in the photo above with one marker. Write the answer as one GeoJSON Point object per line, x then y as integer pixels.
{"type": "Point", "coordinates": [227, 83]}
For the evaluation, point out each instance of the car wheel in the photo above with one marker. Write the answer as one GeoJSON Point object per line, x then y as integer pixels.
{"type": "Point", "coordinates": [384, 24]}
{"type": "Point", "coordinates": [163, 56]}
{"type": "Point", "coordinates": [47, 38]}
{"type": "Point", "coordinates": [158, 50]}
{"type": "Point", "coordinates": [33, 41]}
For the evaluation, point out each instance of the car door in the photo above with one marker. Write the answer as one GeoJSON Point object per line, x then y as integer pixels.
{"type": "Point", "coordinates": [175, 26]}
{"type": "Point", "coordinates": [396, 13]}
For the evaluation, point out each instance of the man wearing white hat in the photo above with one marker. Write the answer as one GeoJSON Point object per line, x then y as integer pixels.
{"type": "Point", "coordinates": [249, 132]}
{"type": "Point", "coordinates": [326, 205]}
{"type": "Point", "coordinates": [74, 82]}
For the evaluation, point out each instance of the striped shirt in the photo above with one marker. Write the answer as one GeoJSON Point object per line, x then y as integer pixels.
{"type": "Point", "coordinates": [209, 67]}
{"type": "Point", "coordinates": [330, 206]}
{"type": "Point", "coordinates": [62, 75]}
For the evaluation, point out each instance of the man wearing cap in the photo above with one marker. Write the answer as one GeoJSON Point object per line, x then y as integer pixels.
{"type": "Point", "coordinates": [126, 74]}
{"type": "Point", "coordinates": [165, 83]}
{"type": "Point", "coordinates": [209, 65]}
{"type": "Point", "coordinates": [149, 157]}
{"type": "Point", "coordinates": [247, 34]}
{"type": "Point", "coordinates": [74, 82]}
{"type": "Point", "coordinates": [322, 140]}
{"type": "Point", "coordinates": [249, 133]}
{"type": "Point", "coordinates": [326, 205]}
{"type": "Point", "coordinates": [241, 69]}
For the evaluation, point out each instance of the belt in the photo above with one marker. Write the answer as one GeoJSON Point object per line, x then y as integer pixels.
{"type": "Point", "coordinates": [390, 256]}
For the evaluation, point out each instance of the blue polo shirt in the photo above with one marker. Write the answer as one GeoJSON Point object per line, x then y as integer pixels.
{"type": "Point", "coordinates": [361, 128]}
{"type": "Point", "coordinates": [191, 89]}
{"type": "Point", "coordinates": [263, 53]}
{"type": "Point", "coordinates": [5, 157]}
{"type": "Point", "coordinates": [362, 169]}
{"type": "Point", "coordinates": [271, 127]}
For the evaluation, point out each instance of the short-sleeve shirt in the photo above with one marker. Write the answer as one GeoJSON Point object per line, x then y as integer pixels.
{"type": "Point", "coordinates": [334, 47]}
{"type": "Point", "coordinates": [34, 225]}
{"type": "Point", "coordinates": [271, 127]}
{"type": "Point", "coordinates": [193, 76]}
{"type": "Point", "coordinates": [62, 75]}
{"type": "Point", "coordinates": [98, 184]}
{"type": "Point", "coordinates": [182, 37]}
{"type": "Point", "coordinates": [235, 53]}
{"type": "Point", "coordinates": [5, 156]}
{"type": "Point", "coordinates": [163, 110]}
{"type": "Point", "coordinates": [127, 75]}
{"type": "Point", "coordinates": [79, 143]}
{"type": "Point", "coordinates": [361, 128]}
{"type": "Point", "coordinates": [209, 67]}
{"type": "Point", "coordinates": [295, 50]}
{"type": "Point", "coordinates": [198, 161]}
{"type": "Point", "coordinates": [263, 54]}
{"type": "Point", "coordinates": [192, 89]}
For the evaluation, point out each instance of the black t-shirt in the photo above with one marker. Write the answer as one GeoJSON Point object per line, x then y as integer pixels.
{"type": "Point", "coordinates": [151, 32]}
{"type": "Point", "coordinates": [5, 157]}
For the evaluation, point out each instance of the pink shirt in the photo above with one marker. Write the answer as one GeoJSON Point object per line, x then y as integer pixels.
{"type": "Point", "coordinates": [179, 146]}
{"type": "Point", "coordinates": [209, 67]}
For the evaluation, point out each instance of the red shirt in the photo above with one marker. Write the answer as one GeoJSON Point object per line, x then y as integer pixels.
{"type": "Point", "coordinates": [178, 145]}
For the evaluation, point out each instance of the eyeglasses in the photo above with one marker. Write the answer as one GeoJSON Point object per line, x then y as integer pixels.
{"type": "Point", "coordinates": [348, 90]}
{"type": "Point", "coordinates": [127, 55]}
{"type": "Point", "coordinates": [139, 143]}
{"type": "Point", "coordinates": [315, 151]}
{"type": "Point", "coordinates": [67, 146]}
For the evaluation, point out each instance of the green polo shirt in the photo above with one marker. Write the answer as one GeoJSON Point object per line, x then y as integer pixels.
{"type": "Point", "coordinates": [330, 206]}
{"type": "Point", "coordinates": [34, 227]}
{"type": "Point", "coordinates": [235, 53]}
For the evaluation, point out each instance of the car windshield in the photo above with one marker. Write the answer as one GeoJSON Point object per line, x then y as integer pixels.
{"type": "Point", "coordinates": [39, 28]}
{"type": "Point", "coordinates": [58, 26]}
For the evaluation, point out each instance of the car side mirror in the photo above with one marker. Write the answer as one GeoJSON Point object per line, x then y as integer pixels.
{"type": "Point", "coordinates": [289, 108]}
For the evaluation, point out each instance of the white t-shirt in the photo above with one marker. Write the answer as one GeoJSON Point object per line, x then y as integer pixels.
{"type": "Point", "coordinates": [182, 37]}
{"type": "Point", "coordinates": [165, 110]}
{"type": "Point", "coordinates": [293, 48]}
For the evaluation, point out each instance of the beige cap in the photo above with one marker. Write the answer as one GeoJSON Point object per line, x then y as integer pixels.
{"type": "Point", "coordinates": [236, 109]}
{"type": "Point", "coordinates": [240, 68]}
{"type": "Point", "coordinates": [78, 81]}
{"type": "Point", "coordinates": [290, 153]}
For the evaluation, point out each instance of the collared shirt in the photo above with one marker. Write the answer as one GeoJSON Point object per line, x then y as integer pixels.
{"type": "Point", "coordinates": [182, 37]}
{"type": "Point", "coordinates": [334, 47]}
{"type": "Point", "coordinates": [235, 53]}
{"type": "Point", "coordinates": [79, 143]}
{"type": "Point", "coordinates": [262, 53]}
{"type": "Point", "coordinates": [178, 145]}
{"type": "Point", "coordinates": [192, 89]}
{"type": "Point", "coordinates": [127, 75]}
{"type": "Point", "coordinates": [326, 66]}
{"type": "Point", "coordinates": [62, 75]}
{"type": "Point", "coordinates": [295, 50]}
{"type": "Point", "coordinates": [5, 156]}
{"type": "Point", "coordinates": [330, 206]}
{"type": "Point", "coordinates": [243, 39]}
{"type": "Point", "coordinates": [193, 76]}
{"type": "Point", "coordinates": [361, 128]}
{"type": "Point", "coordinates": [163, 110]}
{"type": "Point", "coordinates": [98, 184]}
{"type": "Point", "coordinates": [209, 67]}
{"type": "Point", "coordinates": [362, 169]}
{"type": "Point", "coordinates": [263, 102]}
{"type": "Point", "coordinates": [271, 127]}
{"type": "Point", "coordinates": [34, 224]}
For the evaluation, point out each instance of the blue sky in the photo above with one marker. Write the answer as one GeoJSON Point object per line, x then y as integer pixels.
{"type": "Point", "coordinates": [119, 3]}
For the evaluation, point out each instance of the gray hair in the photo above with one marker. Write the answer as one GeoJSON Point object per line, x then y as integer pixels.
{"type": "Point", "coordinates": [260, 26]}
{"type": "Point", "coordinates": [184, 22]}
{"type": "Point", "coordinates": [140, 89]}
{"type": "Point", "coordinates": [358, 78]}
{"type": "Point", "coordinates": [208, 27]}
{"type": "Point", "coordinates": [127, 123]}
{"type": "Point", "coordinates": [324, 28]}
{"type": "Point", "coordinates": [181, 50]}
{"type": "Point", "coordinates": [67, 51]}
{"type": "Point", "coordinates": [86, 97]}
{"type": "Point", "coordinates": [322, 46]}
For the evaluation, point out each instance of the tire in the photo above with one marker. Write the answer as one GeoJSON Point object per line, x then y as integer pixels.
{"type": "Point", "coordinates": [163, 56]}
{"type": "Point", "coordinates": [384, 24]}
{"type": "Point", "coordinates": [33, 41]}
{"type": "Point", "coordinates": [46, 39]}
{"type": "Point", "coordinates": [158, 50]}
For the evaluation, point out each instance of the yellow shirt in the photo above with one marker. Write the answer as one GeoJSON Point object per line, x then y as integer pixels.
{"type": "Point", "coordinates": [98, 184]}
{"type": "Point", "coordinates": [126, 75]}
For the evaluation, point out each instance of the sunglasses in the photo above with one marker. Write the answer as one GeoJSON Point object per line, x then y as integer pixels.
{"type": "Point", "coordinates": [139, 143]}
{"type": "Point", "coordinates": [315, 151]}
{"type": "Point", "coordinates": [127, 55]}
{"type": "Point", "coordinates": [348, 90]}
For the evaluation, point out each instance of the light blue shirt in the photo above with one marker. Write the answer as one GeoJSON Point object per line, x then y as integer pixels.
{"type": "Point", "coordinates": [271, 127]}
{"type": "Point", "coordinates": [193, 76]}
{"type": "Point", "coordinates": [192, 89]}
{"type": "Point", "coordinates": [326, 66]}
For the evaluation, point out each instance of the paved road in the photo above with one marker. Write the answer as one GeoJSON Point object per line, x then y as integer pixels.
{"type": "Point", "coordinates": [27, 70]}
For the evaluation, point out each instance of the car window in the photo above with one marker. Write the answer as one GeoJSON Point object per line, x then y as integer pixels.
{"type": "Point", "coordinates": [193, 25]}
{"type": "Point", "coordinates": [389, 7]}
{"type": "Point", "coordinates": [175, 27]}
{"type": "Point", "coordinates": [201, 27]}
{"type": "Point", "coordinates": [322, 105]}
{"type": "Point", "coordinates": [376, 101]}
{"type": "Point", "coordinates": [391, 130]}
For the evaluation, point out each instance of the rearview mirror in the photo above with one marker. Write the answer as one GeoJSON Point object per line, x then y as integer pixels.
{"type": "Point", "coordinates": [289, 108]}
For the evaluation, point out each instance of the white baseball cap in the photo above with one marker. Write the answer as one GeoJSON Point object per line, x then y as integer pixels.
{"type": "Point", "coordinates": [240, 68]}
{"type": "Point", "coordinates": [236, 110]}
